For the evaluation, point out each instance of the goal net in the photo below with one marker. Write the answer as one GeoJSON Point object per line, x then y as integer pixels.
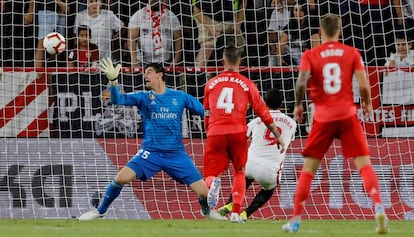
{"type": "Point", "coordinates": [61, 140]}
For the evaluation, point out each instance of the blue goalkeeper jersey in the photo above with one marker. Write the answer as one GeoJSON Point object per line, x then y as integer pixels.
{"type": "Point", "coordinates": [161, 115]}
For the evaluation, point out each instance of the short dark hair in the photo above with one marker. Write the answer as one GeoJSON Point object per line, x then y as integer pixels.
{"type": "Point", "coordinates": [232, 54]}
{"type": "Point", "coordinates": [274, 98]}
{"type": "Point", "coordinates": [157, 67]}
{"type": "Point", "coordinates": [85, 27]}
{"type": "Point", "coordinates": [401, 35]}
{"type": "Point", "coordinates": [331, 24]}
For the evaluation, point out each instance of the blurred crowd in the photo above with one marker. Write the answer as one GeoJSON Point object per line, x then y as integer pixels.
{"type": "Point", "coordinates": [194, 32]}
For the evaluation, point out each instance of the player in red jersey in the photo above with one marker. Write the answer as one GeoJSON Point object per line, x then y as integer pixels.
{"type": "Point", "coordinates": [226, 100]}
{"type": "Point", "coordinates": [328, 70]}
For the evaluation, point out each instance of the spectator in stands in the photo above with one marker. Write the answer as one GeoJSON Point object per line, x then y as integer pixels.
{"type": "Point", "coordinates": [315, 9]}
{"type": "Point", "coordinates": [81, 5]}
{"type": "Point", "coordinates": [155, 35]}
{"type": "Point", "coordinates": [408, 8]}
{"type": "Point", "coordinates": [218, 19]}
{"type": "Point", "coordinates": [373, 28]}
{"type": "Point", "coordinates": [408, 13]}
{"type": "Point", "coordinates": [319, 8]}
{"type": "Point", "coordinates": [278, 21]}
{"type": "Point", "coordinates": [257, 15]}
{"type": "Point", "coordinates": [404, 55]}
{"type": "Point", "coordinates": [51, 16]}
{"type": "Point", "coordinates": [125, 54]}
{"type": "Point", "coordinates": [104, 24]}
{"type": "Point", "coordinates": [300, 34]}
{"type": "Point", "coordinates": [85, 53]}
{"type": "Point", "coordinates": [289, 3]}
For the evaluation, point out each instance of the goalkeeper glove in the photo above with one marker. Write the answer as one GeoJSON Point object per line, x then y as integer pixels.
{"type": "Point", "coordinates": [111, 73]}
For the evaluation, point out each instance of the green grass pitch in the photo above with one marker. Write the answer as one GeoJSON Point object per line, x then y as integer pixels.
{"type": "Point", "coordinates": [193, 228]}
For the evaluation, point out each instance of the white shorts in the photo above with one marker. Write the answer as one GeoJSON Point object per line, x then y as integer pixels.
{"type": "Point", "coordinates": [267, 172]}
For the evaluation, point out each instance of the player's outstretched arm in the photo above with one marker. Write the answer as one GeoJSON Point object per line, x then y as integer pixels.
{"type": "Point", "coordinates": [111, 72]}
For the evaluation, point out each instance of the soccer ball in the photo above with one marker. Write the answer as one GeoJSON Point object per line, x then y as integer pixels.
{"type": "Point", "coordinates": [54, 43]}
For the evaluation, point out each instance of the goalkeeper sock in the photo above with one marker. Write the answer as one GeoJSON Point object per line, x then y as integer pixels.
{"type": "Point", "coordinates": [112, 191]}
{"type": "Point", "coordinates": [205, 210]}
{"type": "Point", "coordinates": [239, 190]}
{"type": "Point", "coordinates": [302, 191]}
{"type": "Point", "coordinates": [261, 198]}
{"type": "Point", "coordinates": [370, 183]}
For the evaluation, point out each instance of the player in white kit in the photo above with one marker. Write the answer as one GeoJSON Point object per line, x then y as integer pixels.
{"type": "Point", "coordinates": [265, 162]}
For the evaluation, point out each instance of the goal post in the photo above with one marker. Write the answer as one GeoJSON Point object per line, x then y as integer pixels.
{"type": "Point", "coordinates": [52, 169]}
{"type": "Point", "coordinates": [61, 140]}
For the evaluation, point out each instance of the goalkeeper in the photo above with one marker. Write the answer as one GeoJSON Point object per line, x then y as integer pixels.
{"type": "Point", "coordinates": [162, 147]}
{"type": "Point", "coordinates": [265, 161]}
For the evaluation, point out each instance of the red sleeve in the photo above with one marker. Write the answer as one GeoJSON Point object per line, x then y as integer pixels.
{"type": "Point", "coordinates": [259, 105]}
{"type": "Point", "coordinates": [305, 62]}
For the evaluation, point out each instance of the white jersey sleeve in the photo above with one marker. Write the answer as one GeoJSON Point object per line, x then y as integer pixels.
{"type": "Point", "coordinates": [250, 127]}
{"type": "Point", "coordinates": [134, 20]}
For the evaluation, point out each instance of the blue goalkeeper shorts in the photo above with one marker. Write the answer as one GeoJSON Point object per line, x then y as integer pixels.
{"type": "Point", "coordinates": [176, 164]}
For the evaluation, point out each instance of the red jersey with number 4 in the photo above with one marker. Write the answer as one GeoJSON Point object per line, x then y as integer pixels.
{"type": "Point", "coordinates": [226, 100]}
{"type": "Point", "coordinates": [331, 66]}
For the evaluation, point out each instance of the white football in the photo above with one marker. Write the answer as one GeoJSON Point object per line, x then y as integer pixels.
{"type": "Point", "coordinates": [54, 43]}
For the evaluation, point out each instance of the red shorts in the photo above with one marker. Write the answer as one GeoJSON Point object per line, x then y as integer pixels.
{"type": "Point", "coordinates": [221, 149]}
{"type": "Point", "coordinates": [348, 130]}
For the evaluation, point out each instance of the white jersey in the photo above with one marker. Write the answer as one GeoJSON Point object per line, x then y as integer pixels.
{"type": "Point", "coordinates": [265, 162]}
{"type": "Point", "coordinates": [101, 27]}
{"type": "Point", "coordinates": [408, 61]}
{"type": "Point", "coordinates": [279, 20]}
{"type": "Point", "coordinates": [169, 23]}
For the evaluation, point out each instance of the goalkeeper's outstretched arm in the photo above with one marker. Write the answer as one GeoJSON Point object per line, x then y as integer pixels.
{"type": "Point", "coordinates": [111, 72]}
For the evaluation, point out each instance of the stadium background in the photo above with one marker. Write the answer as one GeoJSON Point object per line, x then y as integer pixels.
{"type": "Point", "coordinates": [60, 141]}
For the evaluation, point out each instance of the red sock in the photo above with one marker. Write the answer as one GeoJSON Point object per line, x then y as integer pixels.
{"type": "Point", "coordinates": [370, 183]}
{"type": "Point", "coordinates": [302, 191]}
{"type": "Point", "coordinates": [209, 180]}
{"type": "Point", "coordinates": [239, 190]}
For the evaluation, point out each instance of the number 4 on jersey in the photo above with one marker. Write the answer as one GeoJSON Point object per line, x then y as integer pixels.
{"type": "Point", "coordinates": [225, 100]}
